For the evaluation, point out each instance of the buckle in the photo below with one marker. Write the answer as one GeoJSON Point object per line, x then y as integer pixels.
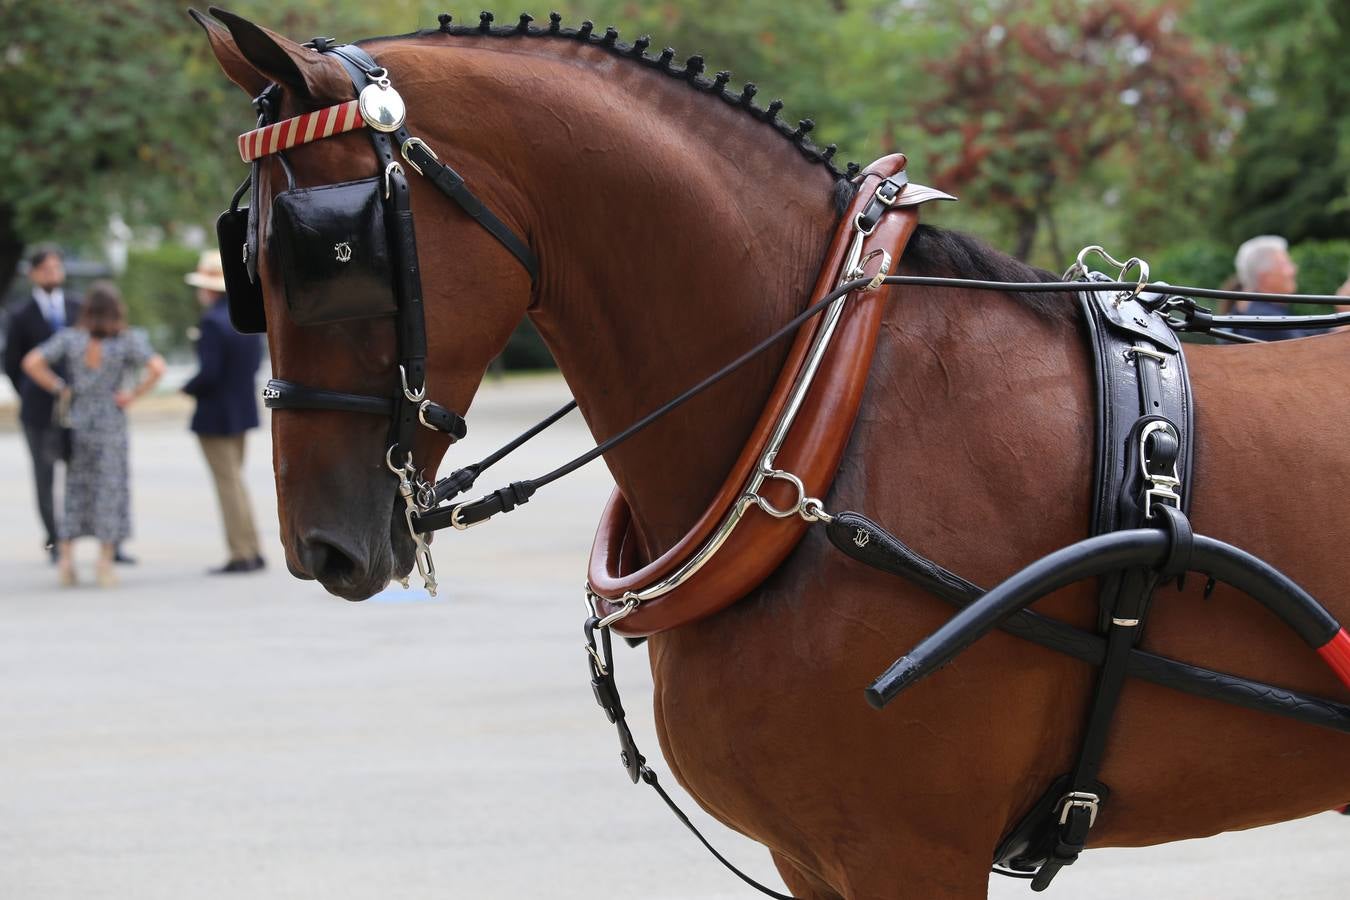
{"type": "Point", "coordinates": [417, 142]}
{"type": "Point", "coordinates": [1162, 488]}
{"type": "Point", "coordinates": [890, 189]}
{"type": "Point", "coordinates": [1138, 351]}
{"type": "Point", "coordinates": [1079, 800]}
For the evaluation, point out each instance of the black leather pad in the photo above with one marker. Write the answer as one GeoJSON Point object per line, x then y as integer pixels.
{"type": "Point", "coordinates": [332, 246]}
{"type": "Point", "coordinates": [245, 300]}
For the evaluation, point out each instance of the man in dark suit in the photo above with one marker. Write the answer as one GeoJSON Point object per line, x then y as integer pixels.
{"type": "Point", "coordinates": [46, 310]}
{"type": "Point", "coordinates": [227, 407]}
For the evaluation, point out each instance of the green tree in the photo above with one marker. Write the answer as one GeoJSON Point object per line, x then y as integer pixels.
{"type": "Point", "coordinates": [1291, 169]}
{"type": "Point", "coordinates": [1034, 96]}
{"type": "Point", "coordinates": [118, 107]}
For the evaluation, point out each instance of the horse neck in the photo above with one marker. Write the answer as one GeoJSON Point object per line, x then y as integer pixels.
{"type": "Point", "coordinates": [674, 232]}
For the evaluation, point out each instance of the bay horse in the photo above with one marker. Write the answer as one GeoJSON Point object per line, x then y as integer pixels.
{"type": "Point", "coordinates": [673, 231]}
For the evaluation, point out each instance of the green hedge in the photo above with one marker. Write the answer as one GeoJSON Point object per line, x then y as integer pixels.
{"type": "Point", "coordinates": [157, 298]}
{"type": "Point", "coordinates": [1322, 265]}
{"type": "Point", "coordinates": [525, 350]}
{"type": "Point", "coordinates": [1196, 263]}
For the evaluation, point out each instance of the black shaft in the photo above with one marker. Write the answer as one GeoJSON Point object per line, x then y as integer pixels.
{"type": "Point", "coordinates": [1144, 548]}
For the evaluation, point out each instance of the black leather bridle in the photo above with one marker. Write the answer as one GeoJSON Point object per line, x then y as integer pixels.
{"type": "Point", "coordinates": [409, 406]}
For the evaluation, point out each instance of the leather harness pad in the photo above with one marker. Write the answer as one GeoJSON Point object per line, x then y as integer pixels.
{"type": "Point", "coordinates": [812, 450]}
{"type": "Point", "coordinates": [1139, 372]}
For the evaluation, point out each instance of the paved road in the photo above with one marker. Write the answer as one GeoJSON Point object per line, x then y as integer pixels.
{"type": "Point", "coordinates": [252, 737]}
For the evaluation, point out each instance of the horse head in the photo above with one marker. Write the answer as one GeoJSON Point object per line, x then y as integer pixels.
{"type": "Point", "coordinates": [341, 519]}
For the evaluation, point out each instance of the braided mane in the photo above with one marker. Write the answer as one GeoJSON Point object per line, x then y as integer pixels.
{"type": "Point", "coordinates": [691, 73]}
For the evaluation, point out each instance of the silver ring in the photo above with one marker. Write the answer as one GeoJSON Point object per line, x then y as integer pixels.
{"type": "Point", "coordinates": [630, 602]}
{"type": "Point", "coordinates": [791, 479]}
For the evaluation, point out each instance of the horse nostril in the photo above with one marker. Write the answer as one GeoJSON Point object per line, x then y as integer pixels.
{"type": "Point", "coordinates": [326, 561]}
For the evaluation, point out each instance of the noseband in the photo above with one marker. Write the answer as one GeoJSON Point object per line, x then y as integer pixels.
{"type": "Point", "coordinates": [349, 251]}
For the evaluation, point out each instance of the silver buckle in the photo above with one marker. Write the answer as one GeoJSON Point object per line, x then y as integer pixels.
{"type": "Point", "coordinates": [421, 143]}
{"type": "Point", "coordinates": [1079, 799]}
{"type": "Point", "coordinates": [422, 413]}
{"type": "Point", "coordinates": [392, 167]}
{"type": "Point", "coordinates": [1135, 352]}
{"type": "Point", "coordinates": [1164, 488]}
{"type": "Point", "coordinates": [454, 518]}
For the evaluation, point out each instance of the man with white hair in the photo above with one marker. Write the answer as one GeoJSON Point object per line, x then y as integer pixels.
{"type": "Point", "coordinates": [1263, 265]}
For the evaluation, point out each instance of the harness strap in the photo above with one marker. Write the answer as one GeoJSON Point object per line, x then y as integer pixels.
{"type": "Point", "coordinates": [452, 184]}
{"type": "Point", "coordinates": [359, 65]}
{"type": "Point", "coordinates": [1143, 464]}
{"type": "Point", "coordinates": [412, 333]}
{"type": "Point", "coordinates": [600, 659]}
{"type": "Point", "coordinates": [281, 394]}
{"type": "Point", "coordinates": [443, 517]}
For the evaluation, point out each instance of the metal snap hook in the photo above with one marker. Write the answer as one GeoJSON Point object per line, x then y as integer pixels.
{"type": "Point", "coordinates": [413, 396]}
{"type": "Point", "coordinates": [389, 461]}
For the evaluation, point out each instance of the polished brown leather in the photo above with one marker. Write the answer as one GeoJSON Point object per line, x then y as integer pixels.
{"type": "Point", "coordinates": [812, 450]}
{"type": "Point", "coordinates": [332, 245]}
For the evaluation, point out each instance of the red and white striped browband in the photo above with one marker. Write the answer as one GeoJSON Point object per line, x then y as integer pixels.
{"type": "Point", "coordinates": [290, 133]}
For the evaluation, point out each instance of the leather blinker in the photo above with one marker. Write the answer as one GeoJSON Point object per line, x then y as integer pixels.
{"type": "Point", "coordinates": [332, 245]}
{"type": "Point", "coordinates": [244, 294]}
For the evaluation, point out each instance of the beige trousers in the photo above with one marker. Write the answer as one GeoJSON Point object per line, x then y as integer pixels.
{"type": "Point", "coordinates": [225, 455]}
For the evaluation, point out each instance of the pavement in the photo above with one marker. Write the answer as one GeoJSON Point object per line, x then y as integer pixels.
{"type": "Point", "coordinates": [186, 736]}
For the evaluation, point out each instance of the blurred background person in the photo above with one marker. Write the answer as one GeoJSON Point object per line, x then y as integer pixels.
{"type": "Point", "coordinates": [46, 311]}
{"type": "Point", "coordinates": [100, 355]}
{"type": "Point", "coordinates": [1264, 265]}
{"type": "Point", "coordinates": [227, 407]}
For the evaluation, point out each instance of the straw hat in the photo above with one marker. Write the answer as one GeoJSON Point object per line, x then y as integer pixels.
{"type": "Point", "coordinates": [210, 273]}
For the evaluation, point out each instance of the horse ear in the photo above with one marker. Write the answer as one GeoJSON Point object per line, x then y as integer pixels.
{"type": "Point", "coordinates": [232, 62]}
{"type": "Point", "coordinates": [313, 75]}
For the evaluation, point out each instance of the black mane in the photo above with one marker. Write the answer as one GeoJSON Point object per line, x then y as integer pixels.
{"type": "Point", "coordinates": [690, 72]}
{"type": "Point", "coordinates": [945, 253]}
{"type": "Point", "coordinates": [931, 251]}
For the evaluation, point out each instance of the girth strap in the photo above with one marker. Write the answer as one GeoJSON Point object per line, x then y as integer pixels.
{"type": "Point", "coordinates": [1144, 437]}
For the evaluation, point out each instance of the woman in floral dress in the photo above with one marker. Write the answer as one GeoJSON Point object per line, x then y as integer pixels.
{"type": "Point", "coordinates": [102, 356]}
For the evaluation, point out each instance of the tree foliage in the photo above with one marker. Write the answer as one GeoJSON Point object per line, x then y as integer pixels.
{"type": "Point", "coordinates": [1036, 94]}
{"type": "Point", "coordinates": [1106, 118]}
{"type": "Point", "coordinates": [1291, 172]}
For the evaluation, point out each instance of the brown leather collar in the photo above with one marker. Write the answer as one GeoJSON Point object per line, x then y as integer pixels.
{"type": "Point", "coordinates": [812, 450]}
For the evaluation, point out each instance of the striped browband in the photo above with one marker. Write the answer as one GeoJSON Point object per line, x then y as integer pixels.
{"type": "Point", "coordinates": [289, 133]}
